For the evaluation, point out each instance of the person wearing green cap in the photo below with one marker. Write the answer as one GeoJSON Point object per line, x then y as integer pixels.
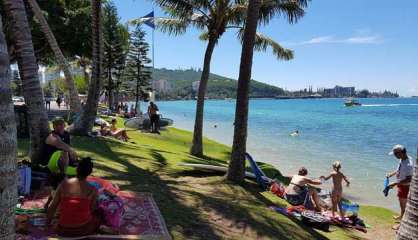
{"type": "Point", "coordinates": [58, 154]}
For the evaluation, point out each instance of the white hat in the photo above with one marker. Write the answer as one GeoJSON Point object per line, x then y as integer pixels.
{"type": "Point", "coordinates": [398, 147]}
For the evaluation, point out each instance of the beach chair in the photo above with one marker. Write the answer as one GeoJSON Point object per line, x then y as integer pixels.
{"type": "Point", "coordinates": [260, 177]}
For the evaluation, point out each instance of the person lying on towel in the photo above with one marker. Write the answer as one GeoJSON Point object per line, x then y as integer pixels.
{"type": "Point", "coordinates": [58, 154]}
{"type": "Point", "coordinates": [76, 200]}
{"type": "Point", "coordinates": [298, 191]}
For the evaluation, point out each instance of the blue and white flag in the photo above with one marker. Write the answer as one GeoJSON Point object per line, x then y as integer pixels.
{"type": "Point", "coordinates": [149, 20]}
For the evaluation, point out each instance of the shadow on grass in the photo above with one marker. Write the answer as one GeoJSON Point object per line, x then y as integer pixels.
{"type": "Point", "coordinates": [238, 212]}
{"type": "Point", "coordinates": [179, 217]}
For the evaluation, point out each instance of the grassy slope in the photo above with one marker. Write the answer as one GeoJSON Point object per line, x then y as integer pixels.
{"type": "Point", "coordinates": [218, 86]}
{"type": "Point", "coordinates": [197, 207]}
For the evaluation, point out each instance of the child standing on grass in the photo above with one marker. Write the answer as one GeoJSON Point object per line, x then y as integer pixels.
{"type": "Point", "coordinates": [337, 188]}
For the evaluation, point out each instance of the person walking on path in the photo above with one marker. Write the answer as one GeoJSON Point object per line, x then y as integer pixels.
{"type": "Point", "coordinates": [59, 101]}
{"type": "Point", "coordinates": [403, 178]}
{"type": "Point", "coordinates": [48, 104]}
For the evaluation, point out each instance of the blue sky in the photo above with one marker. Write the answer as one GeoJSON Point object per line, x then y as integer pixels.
{"type": "Point", "coordinates": [363, 43]}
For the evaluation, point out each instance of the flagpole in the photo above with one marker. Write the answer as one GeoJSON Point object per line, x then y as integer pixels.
{"type": "Point", "coordinates": [153, 30]}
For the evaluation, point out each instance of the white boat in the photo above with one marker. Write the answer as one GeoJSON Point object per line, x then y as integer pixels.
{"type": "Point", "coordinates": [143, 122]}
{"type": "Point", "coordinates": [350, 102]}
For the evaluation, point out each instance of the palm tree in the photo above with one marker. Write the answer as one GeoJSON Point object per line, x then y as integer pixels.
{"type": "Point", "coordinates": [409, 225]}
{"type": "Point", "coordinates": [214, 18]}
{"type": "Point", "coordinates": [8, 146]}
{"type": "Point", "coordinates": [236, 170]}
{"type": "Point", "coordinates": [85, 123]}
{"type": "Point", "coordinates": [28, 70]}
{"type": "Point", "coordinates": [75, 105]}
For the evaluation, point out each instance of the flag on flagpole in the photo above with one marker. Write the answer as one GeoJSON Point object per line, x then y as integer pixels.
{"type": "Point", "coordinates": [149, 20]}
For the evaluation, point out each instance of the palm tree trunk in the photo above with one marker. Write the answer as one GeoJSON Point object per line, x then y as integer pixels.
{"type": "Point", "coordinates": [85, 123]}
{"type": "Point", "coordinates": [409, 224]}
{"type": "Point", "coordinates": [8, 146]}
{"type": "Point", "coordinates": [197, 145]}
{"type": "Point", "coordinates": [75, 105]}
{"type": "Point", "coordinates": [28, 70]}
{"type": "Point", "coordinates": [236, 170]}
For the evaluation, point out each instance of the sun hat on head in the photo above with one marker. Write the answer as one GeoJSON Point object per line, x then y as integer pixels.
{"type": "Point", "coordinates": [398, 147]}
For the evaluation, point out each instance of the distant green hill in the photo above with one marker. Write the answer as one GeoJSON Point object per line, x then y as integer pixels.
{"type": "Point", "coordinates": [219, 87]}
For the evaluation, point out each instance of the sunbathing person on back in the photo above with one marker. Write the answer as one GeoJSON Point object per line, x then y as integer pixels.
{"type": "Point", "coordinates": [298, 191]}
{"type": "Point", "coordinates": [76, 200]}
{"type": "Point", "coordinates": [337, 187]}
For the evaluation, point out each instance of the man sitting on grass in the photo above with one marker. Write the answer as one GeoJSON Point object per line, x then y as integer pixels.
{"type": "Point", "coordinates": [58, 154]}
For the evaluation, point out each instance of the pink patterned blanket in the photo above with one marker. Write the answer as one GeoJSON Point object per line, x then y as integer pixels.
{"type": "Point", "coordinates": [141, 220]}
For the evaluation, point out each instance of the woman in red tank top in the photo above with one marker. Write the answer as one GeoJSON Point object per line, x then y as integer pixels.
{"type": "Point", "coordinates": [76, 201]}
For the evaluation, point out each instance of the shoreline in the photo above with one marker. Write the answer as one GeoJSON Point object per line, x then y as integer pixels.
{"type": "Point", "coordinates": [357, 137]}
{"type": "Point", "coordinates": [268, 165]}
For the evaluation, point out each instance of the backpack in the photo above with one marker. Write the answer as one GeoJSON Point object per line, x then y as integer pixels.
{"type": "Point", "coordinates": [112, 209]}
{"type": "Point", "coordinates": [277, 189]}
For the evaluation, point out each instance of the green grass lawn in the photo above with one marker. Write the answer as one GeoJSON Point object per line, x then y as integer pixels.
{"type": "Point", "coordinates": [198, 205]}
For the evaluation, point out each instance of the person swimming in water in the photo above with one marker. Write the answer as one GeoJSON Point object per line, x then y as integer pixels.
{"type": "Point", "coordinates": [294, 134]}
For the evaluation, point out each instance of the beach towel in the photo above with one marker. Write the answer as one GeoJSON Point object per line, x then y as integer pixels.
{"type": "Point", "coordinates": [142, 219]}
{"type": "Point", "coordinates": [103, 185]}
{"type": "Point", "coordinates": [24, 179]}
{"type": "Point", "coordinates": [386, 187]}
{"type": "Point", "coordinates": [260, 177]}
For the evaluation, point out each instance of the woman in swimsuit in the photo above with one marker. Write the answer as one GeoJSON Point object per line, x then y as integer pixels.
{"type": "Point", "coordinates": [76, 200]}
{"type": "Point", "coordinates": [118, 133]}
{"type": "Point", "coordinates": [297, 191]}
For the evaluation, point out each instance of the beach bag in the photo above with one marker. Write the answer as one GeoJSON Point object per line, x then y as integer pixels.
{"type": "Point", "coordinates": [112, 210]}
{"type": "Point", "coordinates": [277, 189]}
{"type": "Point", "coordinates": [315, 220]}
{"type": "Point", "coordinates": [24, 179]}
{"type": "Point", "coordinates": [39, 180]}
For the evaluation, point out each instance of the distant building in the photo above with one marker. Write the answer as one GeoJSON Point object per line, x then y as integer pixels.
{"type": "Point", "coordinates": [339, 91]}
{"type": "Point", "coordinates": [195, 86]}
{"type": "Point", "coordinates": [161, 86]}
{"type": "Point", "coordinates": [53, 73]}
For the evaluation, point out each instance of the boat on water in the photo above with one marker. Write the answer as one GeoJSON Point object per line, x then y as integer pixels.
{"type": "Point", "coordinates": [143, 122]}
{"type": "Point", "coordinates": [350, 102]}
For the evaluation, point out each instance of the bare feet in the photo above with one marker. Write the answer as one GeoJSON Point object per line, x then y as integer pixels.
{"type": "Point", "coordinates": [107, 230]}
{"type": "Point", "coordinates": [396, 227]}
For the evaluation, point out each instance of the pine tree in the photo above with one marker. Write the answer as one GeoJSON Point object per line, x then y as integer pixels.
{"type": "Point", "coordinates": [116, 42]}
{"type": "Point", "coordinates": [138, 73]}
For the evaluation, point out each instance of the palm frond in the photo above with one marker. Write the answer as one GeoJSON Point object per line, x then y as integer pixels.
{"type": "Point", "coordinates": [185, 7]}
{"type": "Point", "coordinates": [204, 36]}
{"type": "Point", "coordinates": [237, 13]}
{"type": "Point", "coordinates": [263, 42]}
{"type": "Point", "coordinates": [171, 25]}
{"type": "Point", "coordinates": [293, 10]}
{"type": "Point", "coordinates": [168, 25]}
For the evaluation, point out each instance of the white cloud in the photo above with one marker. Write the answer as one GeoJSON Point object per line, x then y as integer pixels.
{"type": "Point", "coordinates": [371, 39]}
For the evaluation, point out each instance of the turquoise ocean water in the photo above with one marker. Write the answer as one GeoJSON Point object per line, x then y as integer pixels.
{"type": "Point", "coordinates": [360, 137]}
